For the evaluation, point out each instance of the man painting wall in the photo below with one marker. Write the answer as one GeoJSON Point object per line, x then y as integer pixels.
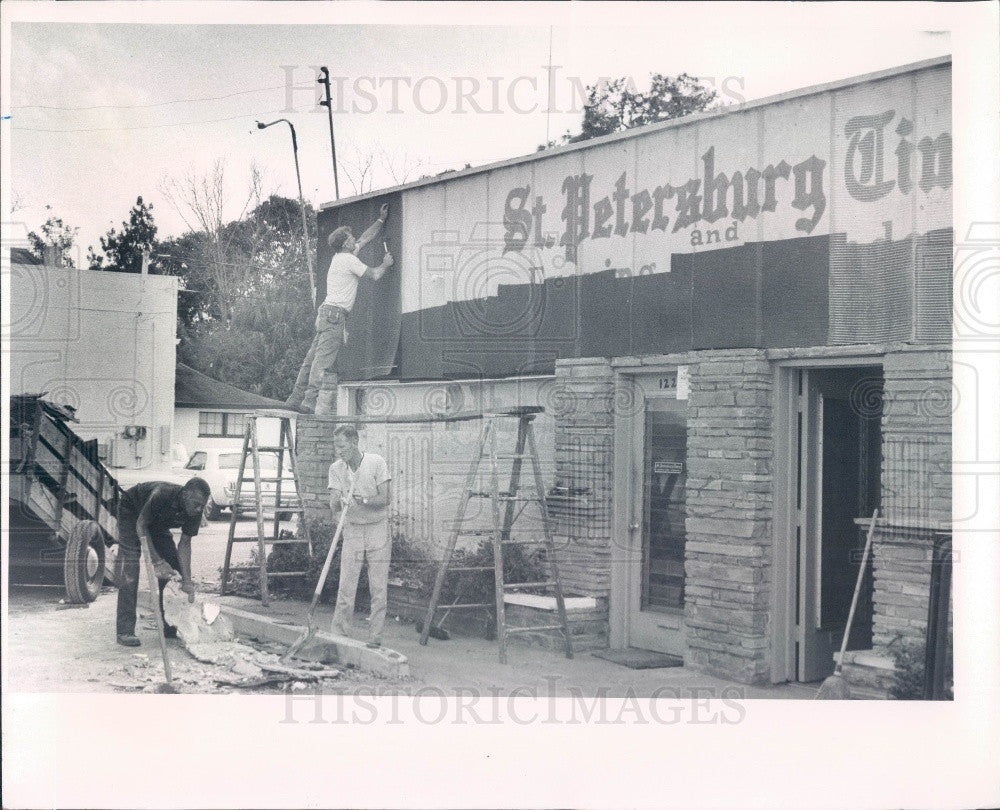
{"type": "Point", "coordinates": [315, 388]}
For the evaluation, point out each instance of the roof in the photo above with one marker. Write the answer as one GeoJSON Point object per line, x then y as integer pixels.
{"type": "Point", "coordinates": [192, 389]}
{"type": "Point", "coordinates": [637, 132]}
{"type": "Point", "coordinates": [23, 256]}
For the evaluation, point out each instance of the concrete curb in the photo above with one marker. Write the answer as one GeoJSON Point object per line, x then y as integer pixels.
{"type": "Point", "coordinates": [325, 647]}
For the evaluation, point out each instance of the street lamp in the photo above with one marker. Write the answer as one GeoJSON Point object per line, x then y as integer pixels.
{"type": "Point", "coordinates": [302, 203]}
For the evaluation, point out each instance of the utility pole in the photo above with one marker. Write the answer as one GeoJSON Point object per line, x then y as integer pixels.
{"type": "Point", "coordinates": [302, 205]}
{"type": "Point", "coordinates": [325, 81]}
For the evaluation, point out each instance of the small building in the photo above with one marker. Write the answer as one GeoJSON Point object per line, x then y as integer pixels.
{"type": "Point", "coordinates": [102, 344]}
{"type": "Point", "coordinates": [211, 415]}
{"type": "Point", "coordinates": [739, 325]}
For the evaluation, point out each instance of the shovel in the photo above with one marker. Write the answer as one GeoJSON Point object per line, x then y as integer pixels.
{"type": "Point", "coordinates": [310, 631]}
{"type": "Point", "coordinates": [835, 687]}
{"type": "Point", "coordinates": [167, 687]}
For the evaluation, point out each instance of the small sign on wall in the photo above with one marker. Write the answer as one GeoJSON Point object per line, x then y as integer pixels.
{"type": "Point", "coordinates": [668, 467]}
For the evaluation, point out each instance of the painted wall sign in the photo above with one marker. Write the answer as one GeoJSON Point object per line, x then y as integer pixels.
{"type": "Point", "coordinates": [871, 160]}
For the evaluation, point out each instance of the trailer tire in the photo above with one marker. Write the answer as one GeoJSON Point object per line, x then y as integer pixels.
{"type": "Point", "coordinates": [83, 563]}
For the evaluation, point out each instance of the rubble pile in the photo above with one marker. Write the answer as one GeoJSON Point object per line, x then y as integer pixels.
{"type": "Point", "coordinates": [219, 661]}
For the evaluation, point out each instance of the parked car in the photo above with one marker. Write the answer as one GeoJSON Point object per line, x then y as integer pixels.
{"type": "Point", "coordinates": [220, 469]}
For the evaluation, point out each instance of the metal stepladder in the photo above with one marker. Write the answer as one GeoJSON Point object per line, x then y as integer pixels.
{"type": "Point", "coordinates": [252, 450]}
{"type": "Point", "coordinates": [500, 532]}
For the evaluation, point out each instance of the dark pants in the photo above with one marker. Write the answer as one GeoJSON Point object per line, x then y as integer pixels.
{"type": "Point", "coordinates": [127, 567]}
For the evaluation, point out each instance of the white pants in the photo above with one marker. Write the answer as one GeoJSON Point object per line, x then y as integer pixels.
{"type": "Point", "coordinates": [361, 541]}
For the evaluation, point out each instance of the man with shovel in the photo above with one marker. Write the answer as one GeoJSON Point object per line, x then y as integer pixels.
{"type": "Point", "coordinates": [364, 478]}
{"type": "Point", "coordinates": [318, 372]}
{"type": "Point", "coordinates": [146, 514]}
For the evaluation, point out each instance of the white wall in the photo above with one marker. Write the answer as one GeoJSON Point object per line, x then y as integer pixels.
{"type": "Point", "coordinates": [186, 431]}
{"type": "Point", "coordinates": [104, 343]}
{"type": "Point", "coordinates": [429, 462]}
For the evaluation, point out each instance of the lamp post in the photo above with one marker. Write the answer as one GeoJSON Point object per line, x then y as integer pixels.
{"type": "Point", "coordinates": [302, 204]}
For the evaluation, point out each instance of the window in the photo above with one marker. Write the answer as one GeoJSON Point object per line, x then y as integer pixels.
{"type": "Point", "coordinates": [196, 462]}
{"type": "Point", "coordinates": [217, 423]}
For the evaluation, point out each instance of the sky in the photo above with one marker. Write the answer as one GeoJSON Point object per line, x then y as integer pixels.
{"type": "Point", "coordinates": [103, 113]}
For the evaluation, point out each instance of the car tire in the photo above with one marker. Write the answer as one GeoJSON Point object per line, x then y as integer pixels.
{"type": "Point", "coordinates": [212, 510]}
{"type": "Point", "coordinates": [83, 562]}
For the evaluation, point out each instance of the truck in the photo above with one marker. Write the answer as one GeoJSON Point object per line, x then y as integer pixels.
{"type": "Point", "coordinates": [63, 501]}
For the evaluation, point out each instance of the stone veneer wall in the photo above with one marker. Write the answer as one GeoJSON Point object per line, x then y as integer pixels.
{"type": "Point", "coordinates": [315, 454]}
{"type": "Point", "coordinates": [916, 489]}
{"type": "Point", "coordinates": [729, 503]}
{"type": "Point", "coordinates": [583, 406]}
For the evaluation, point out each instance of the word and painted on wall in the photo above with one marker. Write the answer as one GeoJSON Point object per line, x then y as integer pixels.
{"type": "Point", "coordinates": [729, 200]}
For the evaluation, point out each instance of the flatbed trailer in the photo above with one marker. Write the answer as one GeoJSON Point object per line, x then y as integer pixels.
{"type": "Point", "coordinates": [63, 500]}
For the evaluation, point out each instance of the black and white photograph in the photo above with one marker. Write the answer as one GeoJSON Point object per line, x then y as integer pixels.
{"type": "Point", "coordinates": [437, 379]}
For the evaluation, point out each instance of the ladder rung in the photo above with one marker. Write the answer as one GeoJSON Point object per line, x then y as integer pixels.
{"type": "Point", "coordinates": [248, 479]}
{"type": "Point", "coordinates": [256, 570]}
{"type": "Point", "coordinates": [469, 605]}
{"type": "Point", "coordinates": [527, 584]}
{"type": "Point", "coordinates": [512, 455]}
{"type": "Point", "coordinates": [478, 532]}
{"type": "Point", "coordinates": [267, 540]}
{"type": "Point", "coordinates": [515, 542]}
{"type": "Point", "coordinates": [504, 496]}
{"type": "Point", "coordinates": [470, 568]}
{"type": "Point", "coordinates": [246, 506]}
{"type": "Point", "coordinates": [265, 449]}
{"type": "Point", "coordinates": [512, 630]}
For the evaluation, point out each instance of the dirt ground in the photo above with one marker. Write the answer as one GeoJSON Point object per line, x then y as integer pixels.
{"type": "Point", "coordinates": [53, 648]}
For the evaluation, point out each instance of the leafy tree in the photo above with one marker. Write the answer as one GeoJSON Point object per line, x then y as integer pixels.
{"type": "Point", "coordinates": [57, 235]}
{"type": "Point", "coordinates": [617, 105]}
{"type": "Point", "coordinates": [247, 318]}
{"type": "Point", "coordinates": [123, 250]}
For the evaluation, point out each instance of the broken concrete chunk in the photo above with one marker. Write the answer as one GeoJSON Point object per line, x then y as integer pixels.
{"type": "Point", "coordinates": [210, 612]}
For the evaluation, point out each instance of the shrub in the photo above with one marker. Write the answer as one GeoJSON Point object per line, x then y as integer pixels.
{"type": "Point", "coordinates": [411, 566]}
{"type": "Point", "coordinates": [908, 678]}
{"type": "Point", "coordinates": [908, 656]}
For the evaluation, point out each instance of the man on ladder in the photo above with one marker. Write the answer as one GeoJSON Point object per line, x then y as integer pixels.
{"type": "Point", "coordinates": [315, 388]}
{"type": "Point", "coordinates": [365, 532]}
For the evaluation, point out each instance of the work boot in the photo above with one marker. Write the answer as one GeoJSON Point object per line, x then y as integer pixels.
{"type": "Point", "coordinates": [128, 640]}
{"type": "Point", "coordinates": [326, 402]}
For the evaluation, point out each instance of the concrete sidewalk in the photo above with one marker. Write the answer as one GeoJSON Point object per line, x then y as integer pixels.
{"type": "Point", "coordinates": [53, 649]}
{"type": "Point", "coordinates": [463, 664]}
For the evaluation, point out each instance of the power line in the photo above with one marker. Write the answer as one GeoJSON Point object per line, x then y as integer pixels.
{"type": "Point", "coordinates": [158, 103]}
{"type": "Point", "coordinates": [148, 126]}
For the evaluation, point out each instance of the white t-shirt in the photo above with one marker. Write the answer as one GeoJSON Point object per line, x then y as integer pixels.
{"type": "Point", "coordinates": [370, 473]}
{"type": "Point", "coordinates": [342, 280]}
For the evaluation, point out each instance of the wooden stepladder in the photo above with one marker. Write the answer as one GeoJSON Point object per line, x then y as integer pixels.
{"type": "Point", "coordinates": [503, 516]}
{"type": "Point", "coordinates": [283, 502]}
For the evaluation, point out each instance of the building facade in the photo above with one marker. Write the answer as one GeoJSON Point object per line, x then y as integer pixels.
{"type": "Point", "coordinates": [211, 415]}
{"type": "Point", "coordinates": [739, 325]}
{"type": "Point", "coordinates": [103, 344]}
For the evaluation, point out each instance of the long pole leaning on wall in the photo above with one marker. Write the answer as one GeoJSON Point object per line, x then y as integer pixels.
{"type": "Point", "coordinates": [325, 81]}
